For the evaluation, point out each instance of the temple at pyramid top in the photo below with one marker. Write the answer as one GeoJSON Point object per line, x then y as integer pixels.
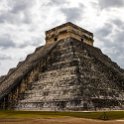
{"type": "Point", "coordinates": [69, 30]}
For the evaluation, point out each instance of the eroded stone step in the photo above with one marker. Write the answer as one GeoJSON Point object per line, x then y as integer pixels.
{"type": "Point", "coordinates": [68, 104]}
{"type": "Point", "coordinates": [54, 89]}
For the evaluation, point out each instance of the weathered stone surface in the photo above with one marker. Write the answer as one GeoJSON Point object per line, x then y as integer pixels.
{"type": "Point", "coordinates": [73, 76]}
{"type": "Point", "coordinates": [2, 78]}
{"type": "Point", "coordinates": [65, 75]}
{"type": "Point", "coordinates": [68, 30]}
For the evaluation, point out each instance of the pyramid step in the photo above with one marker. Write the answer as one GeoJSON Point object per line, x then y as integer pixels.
{"type": "Point", "coordinates": [65, 104]}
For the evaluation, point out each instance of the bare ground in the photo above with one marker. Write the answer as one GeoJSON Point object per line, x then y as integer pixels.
{"type": "Point", "coordinates": [64, 120]}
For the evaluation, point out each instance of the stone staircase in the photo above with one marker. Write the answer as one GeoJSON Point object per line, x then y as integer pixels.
{"type": "Point", "coordinates": [51, 90]}
{"type": "Point", "coordinates": [57, 88]}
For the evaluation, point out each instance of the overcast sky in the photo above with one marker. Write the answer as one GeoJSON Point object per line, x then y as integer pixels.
{"type": "Point", "coordinates": [23, 23]}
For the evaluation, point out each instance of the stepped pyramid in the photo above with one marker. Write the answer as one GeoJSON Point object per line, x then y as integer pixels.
{"type": "Point", "coordinates": [67, 74]}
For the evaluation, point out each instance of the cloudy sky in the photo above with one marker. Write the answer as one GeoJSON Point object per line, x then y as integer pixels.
{"type": "Point", "coordinates": [23, 23]}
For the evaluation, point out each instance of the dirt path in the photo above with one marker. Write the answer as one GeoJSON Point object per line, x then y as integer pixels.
{"type": "Point", "coordinates": [65, 120]}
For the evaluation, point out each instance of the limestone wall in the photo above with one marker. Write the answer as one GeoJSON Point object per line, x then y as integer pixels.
{"type": "Point", "coordinates": [69, 31]}
{"type": "Point", "coordinates": [72, 76]}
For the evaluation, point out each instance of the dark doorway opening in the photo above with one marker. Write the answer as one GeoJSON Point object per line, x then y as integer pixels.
{"type": "Point", "coordinates": [55, 39]}
{"type": "Point", "coordinates": [82, 39]}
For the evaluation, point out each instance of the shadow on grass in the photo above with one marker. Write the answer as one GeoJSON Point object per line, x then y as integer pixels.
{"type": "Point", "coordinates": [110, 115]}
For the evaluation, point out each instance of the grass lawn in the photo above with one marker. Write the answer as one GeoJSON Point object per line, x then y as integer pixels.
{"type": "Point", "coordinates": [110, 115]}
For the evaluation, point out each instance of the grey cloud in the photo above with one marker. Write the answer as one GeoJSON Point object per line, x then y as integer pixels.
{"type": "Point", "coordinates": [10, 18]}
{"type": "Point", "coordinates": [104, 31]}
{"type": "Point", "coordinates": [119, 23]}
{"type": "Point", "coordinates": [111, 3]}
{"type": "Point", "coordinates": [34, 42]}
{"type": "Point", "coordinates": [6, 42]}
{"type": "Point", "coordinates": [113, 42]}
{"type": "Point", "coordinates": [115, 50]}
{"type": "Point", "coordinates": [73, 14]}
{"type": "Point", "coordinates": [120, 37]}
{"type": "Point", "coordinates": [5, 57]}
{"type": "Point", "coordinates": [111, 36]}
{"type": "Point", "coordinates": [28, 44]}
{"type": "Point", "coordinates": [57, 2]}
{"type": "Point", "coordinates": [21, 5]}
{"type": "Point", "coordinates": [16, 7]}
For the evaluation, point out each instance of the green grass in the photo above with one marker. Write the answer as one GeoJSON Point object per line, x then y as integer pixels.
{"type": "Point", "coordinates": [110, 115]}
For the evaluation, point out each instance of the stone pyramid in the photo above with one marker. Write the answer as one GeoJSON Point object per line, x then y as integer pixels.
{"type": "Point", "coordinates": [67, 74]}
